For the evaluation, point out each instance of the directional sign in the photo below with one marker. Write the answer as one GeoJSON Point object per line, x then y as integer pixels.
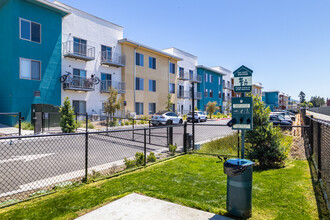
{"type": "Point", "coordinates": [243, 80]}
{"type": "Point", "coordinates": [242, 113]}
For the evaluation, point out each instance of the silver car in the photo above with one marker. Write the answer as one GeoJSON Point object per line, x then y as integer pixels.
{"type": "Point", "coordinates": [165, 117]}
{"type": "Point", "coordinates": [199, 116]}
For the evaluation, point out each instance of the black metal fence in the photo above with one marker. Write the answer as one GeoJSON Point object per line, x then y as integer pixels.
{"type": "Point", "coordinates": [319, 150]}
{"type": "Point", "coordinates": [37, 164]}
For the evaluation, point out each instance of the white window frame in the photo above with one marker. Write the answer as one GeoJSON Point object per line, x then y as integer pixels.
{"type": "Point", "coordinates": [30, 69]}
{"type": "Point", "coordinates": [20, 34]}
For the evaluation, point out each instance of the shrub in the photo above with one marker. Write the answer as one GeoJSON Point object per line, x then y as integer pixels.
{"type": "Point", "coordinates": [173, 149]}
{"type": "Point", "coordinates": [129, 163]}
{"type": "Point", "coordinates": [151, 157]}
{"type": "Point", "coordinates": [139, 159]}
{"type": "Point", "coordinates": [126, 122]}
{"type": "Point", "coordinates": [265, 139]}
{"type": "Point", "coordinates": [67, 121]}
{"type": "Point", "coordinates": [184, 117]}
{"type": "Point", "coordinates": [80, 124]}
{"type": "Point", "coordinates": [25, 126]}
{"type": "Point", "coordinates": [90, 125]}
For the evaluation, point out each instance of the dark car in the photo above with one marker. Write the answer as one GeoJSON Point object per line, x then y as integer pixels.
{"type": "Point", "coordinates": [278, 120]}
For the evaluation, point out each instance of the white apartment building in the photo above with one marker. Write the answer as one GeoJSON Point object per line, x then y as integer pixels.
{"type": "Point", "coordinates": [90, 49]}
{"type": "Point", "coordinates": [227, 88]}
{"type": "Point", "coordinates": [186, 74]}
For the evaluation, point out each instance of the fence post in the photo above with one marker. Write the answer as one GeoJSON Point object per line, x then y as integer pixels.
{"type": "Point", "coordinates": [185, 137]}
{"type": "Point", "coordinates": [319, 155]}
{"type": "Point", "coordinates": [238, 141]}
{"type": "Point", "coordinates": [145, 146]}
{"type": "Point", "coordinates": [19, 124]}
{"type": "Point", "coordinates": [42, 122]}
{"type": "Point", "coordinates": [108, 121]}
{"type": "Point", "coordinates": [171, 133]}
{"type": "Point", "coordinates": [311, 135]}
{"type": "Point", "coordinates": [133, 129]}
{"type": "Point", "coordinates": [86, 149]}
{"type": "Point", "coordinates": [149, 133]}
{"type": "Point", "coordinates": [193, 113]}
{"type": "Point", "coordinates": [76, 120]}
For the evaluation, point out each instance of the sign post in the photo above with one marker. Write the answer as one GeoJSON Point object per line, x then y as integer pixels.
{"type": "Point", "coordinates": [242, 107]}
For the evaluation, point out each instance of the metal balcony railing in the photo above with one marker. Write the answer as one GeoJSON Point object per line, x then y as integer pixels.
{"type": "Point", "coordinates": [113, 59]}
{"type": "Point", "coordinates": [226, 86]}
{"type": "Point", "coordinates": [195, 78]}
{"type": "Point", "coordinates": [79, 83]}
{"type": "Point", "coordinates": [198, 95]}
{"type": "Point", "coordinates": [184, 75]}
{"type": "Point", "coordinates": [183, 94]}
{"type": "Point", "coordinates": [119, 86]}
{"type": "Point", "coordinates": [78, 51]}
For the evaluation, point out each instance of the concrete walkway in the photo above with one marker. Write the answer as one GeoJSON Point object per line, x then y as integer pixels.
{"type": "Point", "coordinates": [319, 116]}
{"type": "Point", "coordinates": [6, 130]}
{"type": "Point", "coordinates": [135, 206]}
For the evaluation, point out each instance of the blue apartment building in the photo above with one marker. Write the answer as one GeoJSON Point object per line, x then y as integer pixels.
{"type": "Point", "coordinates": [210, 87]}
{"type": "Point", "coordinates": [30, 56]}
{"type": "Point", "coordinates": [271, 99]}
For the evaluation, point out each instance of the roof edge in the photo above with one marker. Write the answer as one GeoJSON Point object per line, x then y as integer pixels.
{"type": "Point", "coordinates": [210, 69]}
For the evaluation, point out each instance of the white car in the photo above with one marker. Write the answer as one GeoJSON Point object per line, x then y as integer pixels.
{"type": "Point", "coordinates": [284, 116]}
{"type": "Point", "coordinates": [199, 116]}
{"type": "Point", "coordinates": [164, 118]}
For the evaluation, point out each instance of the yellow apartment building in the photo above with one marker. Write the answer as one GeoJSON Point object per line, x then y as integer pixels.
{"type": "Point", "coordinates": [150, 75]}
{"type": "Point", "coordinates": [257, 89]}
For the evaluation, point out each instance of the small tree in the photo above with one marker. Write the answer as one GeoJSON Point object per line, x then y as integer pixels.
{"type": "Point", "coordinates": [264, 138]}
{"type": "Point", "coordinates": [113, 103]}
{"type": "Point", "coordinates": [211, 108]}
{"type": "Point", "coordinates": [169, 103]}
{"type": "Point", "coordinates": [228, 104]}
{"type": "Point", "coordinates": [302, 96]}
{"type": "Point", "coordinates": [310, 105]}
{"type": "Point", "coordinates": [67, 120]}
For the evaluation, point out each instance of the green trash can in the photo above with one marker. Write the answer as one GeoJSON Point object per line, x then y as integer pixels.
{"type": "Point", "coordinates": [239, 187]}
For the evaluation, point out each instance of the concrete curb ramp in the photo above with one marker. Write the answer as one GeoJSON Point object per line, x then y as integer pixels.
{"type": "Point", "coordinates": [135, 206]}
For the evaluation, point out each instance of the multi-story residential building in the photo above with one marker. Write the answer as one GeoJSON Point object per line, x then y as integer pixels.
{"type": "Point", "coordinates": [150, 75]}
{"type": "Point", "coordinates": [271, 99]}
{"type": "Point", "coordinates": [30, 54]}
{"type": "Point", "coordinates": [233, 93]}
{"type": "Point", "coordinates": [90, 50]}
{"type": "Point", "coordinates": [210, 87]}
{"type": "Point", "coordinates": [283, 101]}
{"type": "Point", "coordinates": [186, 74]}
{"type": "Point", "coordinates": [257, 89]}
{"type": "Point", "coordinates": [227, 88]}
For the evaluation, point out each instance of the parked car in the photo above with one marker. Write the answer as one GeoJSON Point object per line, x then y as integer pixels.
{"type": "Point", "coordinates": [290, 114]}
{"type": "Point", "coordinates": [199, 116]}
{"type": "Point", "coordinates": [284, 116]}
{"type": "Point", "coordinates": [293, 111]}
{"type": "Point", "coordinates": [279, 120]}
{"type": "Point", "coordinates": [164, 118]}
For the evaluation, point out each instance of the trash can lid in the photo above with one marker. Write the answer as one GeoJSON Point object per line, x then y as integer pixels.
{"type": "Point", "coordinates": [241, 162]}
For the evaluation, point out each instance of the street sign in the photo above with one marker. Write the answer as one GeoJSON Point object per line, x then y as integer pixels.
{"type": "Point", "coordinates": [243, 80]}
{"type": "Point", "coordinates": [242, 113]}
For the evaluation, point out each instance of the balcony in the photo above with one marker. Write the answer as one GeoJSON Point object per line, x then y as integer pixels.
{"type": "Point", "coordinates": [184, 76]}
{"type": "Point", "coordinates": [79, 83]}
{"type": "Point", "coordinates": [198, 95]}
{"type": "Point", "coordinates": [113, 59]}
{"type": "Point", "coordinates": [79, 51]}
{"type": "Point", "coordinates": [183, 94]}
{"type": "Point", "coordinates": [228, 86]}
{"type": "Point", "coordinates": [119, 86]}
{"type": "Point", "coordinates": [195, 78]}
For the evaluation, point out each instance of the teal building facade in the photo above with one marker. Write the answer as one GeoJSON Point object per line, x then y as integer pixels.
{"type": "Point", "coordinates": [271, 99]}
{"type": "Point", "coordinates": [210, 87]}
{"type": "Point", "coordinates": [30, 56]}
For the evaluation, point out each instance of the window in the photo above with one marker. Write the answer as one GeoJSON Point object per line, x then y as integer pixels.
{"type": "Point", "coordinates": [191, 74]}
{"type": "Point", "coordinates": [139, 108]}
{"type": "Point", "coordinates": [139, 83]}
{"type": "Point", "coordinates": [228, 83]}
{"type": "Point", "coordinates": [79, 106]}
{"type": "Point", "coordinates": [205, 93]}
{"type": "Point", "coordinates": [152, 63]}
{"type": "Point", "coordinates": [106, 53]}
{"type": "Point", "coordinates": [152, 85]}
{"type": "Point", "coordinates": [139, 59]}
{"type": "Point", "coordinates": [211, 93]}
{"type": "Point", "coordinates": [30, 69]}
{"type": "Point", "coordinates": [79, 75]}
{"type": "Point", "coordinates": [172, 87]}
{"type": "Point", "coordinates": [172, 67]}
{"type": "Point", "coordinates": [181, 70]}
{"type": "Point", "coordinates": [219, 94]}
{"type": "Point", "coordinates": [106, 77]}
{"type": "Point", "coordinates": [206, 77]}
{"type": "Point", "coordinates": [173, 109]}
{"type": "Point", "coordinates": [219, 81]}
{"type": "Point", "coordinates": [152, 108]}
{"type": "Point", "coordinates": [224, 82]}
{"type": "Point", "coordinates": [30, 31]}
{"type": "Point", "coordinates": [105, 81]}
{"type": "Point", "coordinates": [211, 78]}
{"type": "Point", "coordinates": [79, 46]}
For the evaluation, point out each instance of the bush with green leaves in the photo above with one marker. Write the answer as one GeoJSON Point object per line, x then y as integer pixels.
{"type": "Point", "coordinates": [173, 149]}
{"type": "Point", "coordinates": [90, 124]}
{"type": "Point", "coordinates": [151, 157]}
{"type": "Point", "coordinates": [184, 117]}
{"type": "Point", "coordinates": [139, 159]}
{"type": "Point", "coordinates": [25, 126]}
{"type": "Point", "coordinates": [265, 139]}
{"type": "Point", "coordinates": [129, 163]}
{"type": "Point", "coordinates": [67, 120]}
{"type": "Point", "coordinates": [126, 122]}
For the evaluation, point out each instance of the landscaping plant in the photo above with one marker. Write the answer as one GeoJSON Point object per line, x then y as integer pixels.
{"type": "Point", "coordinates": [173, 149]}
{"type": "Point", "coordinates": [67, 120]}
{"type": "Point", "coordinates": [25, 126]}
{"type": "Point", "coordinates": [151, 157]}
{"type": "Point", "coordinates": [211, 108]}
{"type": "Point", "coordinates": [265, 139]}
{"type": "Point", "coordinates": [113, 103]}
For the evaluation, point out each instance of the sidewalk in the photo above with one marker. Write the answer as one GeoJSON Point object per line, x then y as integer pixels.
{"type": "Point", "coordinates": [6, 129]}
{"type": "Point", "coordinates": [136, 206]}
{"type": "Point", "coordinates": [319, 116]}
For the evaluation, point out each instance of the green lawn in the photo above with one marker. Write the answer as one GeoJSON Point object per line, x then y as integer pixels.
{"type": "Point", "coordinates": [192, 180]}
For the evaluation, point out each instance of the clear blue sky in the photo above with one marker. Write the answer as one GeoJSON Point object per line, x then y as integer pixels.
{"type": "Point", "coordinates": [285, 42]}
